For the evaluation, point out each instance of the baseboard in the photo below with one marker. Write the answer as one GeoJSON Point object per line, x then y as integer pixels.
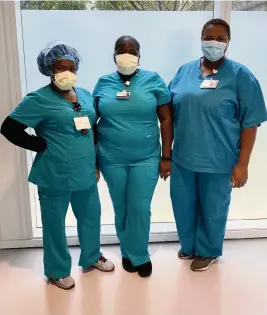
{"type": "Point", "coordinates": [154, 238]}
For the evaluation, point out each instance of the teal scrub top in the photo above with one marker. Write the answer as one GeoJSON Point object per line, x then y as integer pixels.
{"type": "Point", "coordinates": [128, 130]}
{"type": "Point", "coordinates": [208, 122]}
{"type": "Point", "coordinates": [69, 160]}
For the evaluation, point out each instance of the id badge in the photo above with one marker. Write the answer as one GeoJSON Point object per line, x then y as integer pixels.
{"type": "Point", "coordinates": [82, 123]}
{"type": "Point", "coordinates": [124, 95]}
{"type": "Point", "coordinates": [209, 84]}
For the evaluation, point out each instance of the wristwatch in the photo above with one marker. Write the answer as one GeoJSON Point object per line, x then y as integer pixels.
{"type": "Point", "coordinates": [166, 158]}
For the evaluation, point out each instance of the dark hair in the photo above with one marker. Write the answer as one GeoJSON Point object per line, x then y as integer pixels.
{"type": "Point", "coordinates": [217, 22]}
{"type": "Point", "coordinates": [123, 38]}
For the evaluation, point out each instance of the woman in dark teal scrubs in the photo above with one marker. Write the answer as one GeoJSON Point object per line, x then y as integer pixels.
{"type": "Point", "coordinates": [64, 167]}
{"type": "Point", "coordinates": [218, 105]}
{"type": "Point", "coordinates": [130, 103]}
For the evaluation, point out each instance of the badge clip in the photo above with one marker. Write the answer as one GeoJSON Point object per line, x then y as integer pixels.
{"type": "Point", "coordinates": [124, 95]}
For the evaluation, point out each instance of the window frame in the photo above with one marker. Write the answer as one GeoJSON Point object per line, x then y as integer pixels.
{"type": "Point", "coordinates": [31, 234]}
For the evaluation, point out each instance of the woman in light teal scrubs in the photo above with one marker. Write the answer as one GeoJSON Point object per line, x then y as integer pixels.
{"type": "Point", "coordinates": [130, 102]}
{"type": "Point", "coordinates": [64, 168]}
{"type": "Point", "coordinates": [218, 105]}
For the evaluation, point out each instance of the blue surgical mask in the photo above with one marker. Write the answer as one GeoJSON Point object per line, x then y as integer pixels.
{"type": "Point", "coordinates": [213, 50]}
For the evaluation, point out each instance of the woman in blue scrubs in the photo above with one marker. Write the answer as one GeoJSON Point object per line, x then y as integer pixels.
{"type": "Point", "coordinates": [218, 105]}
{"type": "Point", "coordinates": [130, 102]}
{"type": "Point", "coordinates": [64, 168]}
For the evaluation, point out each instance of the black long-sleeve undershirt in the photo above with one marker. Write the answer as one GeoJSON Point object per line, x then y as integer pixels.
{"type": "Point", "coordinates": [15, 132]}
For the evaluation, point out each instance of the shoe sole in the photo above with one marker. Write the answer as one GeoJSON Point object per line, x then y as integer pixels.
{"type": "Point", "coordinates": [207, 267]}
{"type": "Point", "coordinates": [186, 257]}
{"type": "Point", "coordinates": [145, 276]}
{"type": "Point", "coordinates": [52, 282]}
{"type": "Point", "coordinates": [102, 270]}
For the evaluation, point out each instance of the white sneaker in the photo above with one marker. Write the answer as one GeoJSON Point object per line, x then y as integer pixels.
{"type": "Point", "coordinates": [67, 283]}
{"type": "Point", "coordinates": [104, 264]}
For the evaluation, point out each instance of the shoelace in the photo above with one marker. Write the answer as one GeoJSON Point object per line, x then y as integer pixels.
{"type": "Point", "coordinates": [102, 260]}
{"type": "Point", "coordinates": [66, 280]}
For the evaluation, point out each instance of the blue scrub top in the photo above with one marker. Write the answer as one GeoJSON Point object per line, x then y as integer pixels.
{"type": "Point", "coordinates": [128, 130]}
{"type": "Point", "coordinates": [208, 122]}
{"type": "Point", "coordinates": [69, 160]}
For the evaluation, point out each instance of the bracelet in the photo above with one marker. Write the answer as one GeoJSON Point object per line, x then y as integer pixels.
{"type": "Point", "coordinates": [166, 158]}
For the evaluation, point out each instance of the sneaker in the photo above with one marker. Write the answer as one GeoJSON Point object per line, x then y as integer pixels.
{"type": "Point", "coordinates": [63, 283]}
{"type": "Point", "coordinates": [203, 263]}
{"type": "Point", "coordinates": [182, 255]}
{"type": "Point", "coordinates": [104, 264]}
{"type": "Point", "coordinates": [128, 266]}
{"type": "Point", "coordinates": [145, 270]}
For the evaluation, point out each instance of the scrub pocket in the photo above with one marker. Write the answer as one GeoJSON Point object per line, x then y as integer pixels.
{"type": "Point", "coordinates": [54, 204]}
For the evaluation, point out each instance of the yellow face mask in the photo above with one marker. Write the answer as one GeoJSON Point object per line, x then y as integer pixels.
{"type": "Point", "coordinates": [65, 80]}
{"type": "Point", "coordinates": [126, 63]}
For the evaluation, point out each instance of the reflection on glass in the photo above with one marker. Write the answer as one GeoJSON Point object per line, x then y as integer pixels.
{"type": "Point", "coordinates": [249, 5]}
{"type": "Point", "coordinates": [248, 18]}
{"type": "Point", "coordinates": [99, 5]}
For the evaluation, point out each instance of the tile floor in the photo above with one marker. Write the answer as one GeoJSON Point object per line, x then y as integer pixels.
{"type": "Point", "coordinates": [235, 286]}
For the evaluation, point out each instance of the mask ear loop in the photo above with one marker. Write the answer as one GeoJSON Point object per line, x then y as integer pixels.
{"type": "Point", "coordinates": [226, 52]}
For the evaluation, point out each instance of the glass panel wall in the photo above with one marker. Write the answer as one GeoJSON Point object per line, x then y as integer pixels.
{"type": "Point", "coordinates": [249, 47]}
{"type": "Point", "coordinates": [169, 34]}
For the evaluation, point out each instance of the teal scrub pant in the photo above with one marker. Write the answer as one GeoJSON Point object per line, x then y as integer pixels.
{"type": "Point", "coordinates": [86, 207]}
{"type": "Point", "coordinates": [131, 189]}
{"type": "Point", "coordinates": [200, 204]}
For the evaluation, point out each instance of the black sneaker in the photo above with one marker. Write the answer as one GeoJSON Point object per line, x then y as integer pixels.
{"type": "Point", "coordinates": [128, 266]}
{"type": "Point", "coordinates": [182, 255]}
{"type": "Point", "coordinates": [145, 270]}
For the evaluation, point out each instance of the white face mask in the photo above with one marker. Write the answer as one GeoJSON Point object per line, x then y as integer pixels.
{"type": "Point", "coordinates": [127, 63]}
{"type": "Point", "coordinates": [65, 80]}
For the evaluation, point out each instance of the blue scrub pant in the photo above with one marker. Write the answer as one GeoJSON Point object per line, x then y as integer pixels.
{"type": "Point", "coordinates": [200, 204]}
{"type": "Point", "coordinates": [86, 207]}
{"type": "Point", "coordinates": [131, 189]}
